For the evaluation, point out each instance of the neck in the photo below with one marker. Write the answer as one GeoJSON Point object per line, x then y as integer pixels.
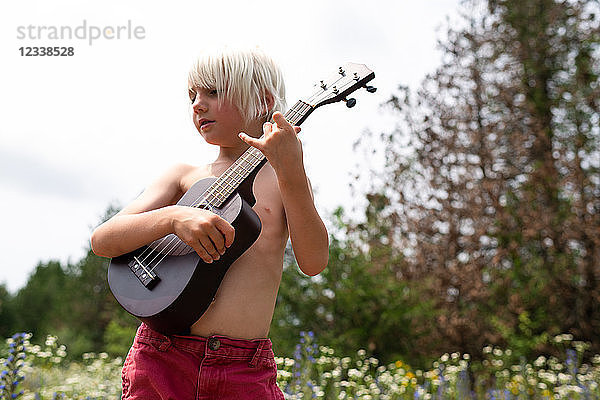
{"type": "Point", "coordinates": [228, 154]}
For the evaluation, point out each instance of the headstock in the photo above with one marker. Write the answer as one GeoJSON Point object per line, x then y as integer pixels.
{"type": "Point", "coordinates": [349, 78]}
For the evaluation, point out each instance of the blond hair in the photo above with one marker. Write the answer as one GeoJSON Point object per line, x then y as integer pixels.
{"type": "Point", "coordinates": [245, 77]}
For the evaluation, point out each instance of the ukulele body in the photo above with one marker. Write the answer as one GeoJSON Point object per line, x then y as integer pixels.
{"type": "Point", "coordinates": [186, 285]}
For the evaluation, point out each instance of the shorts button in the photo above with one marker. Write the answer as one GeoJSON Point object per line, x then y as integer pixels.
{"type": "Point", "coordinates": [214, 344]}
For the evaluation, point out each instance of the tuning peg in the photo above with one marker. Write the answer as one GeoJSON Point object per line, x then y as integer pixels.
{"type": "Point", "coordinates": [350, 102]}
{"type": "Point", "coordinates": [371, 89]}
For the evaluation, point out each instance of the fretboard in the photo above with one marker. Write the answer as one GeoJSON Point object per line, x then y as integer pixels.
{"type": "Point", "coordinates": [230, 180]}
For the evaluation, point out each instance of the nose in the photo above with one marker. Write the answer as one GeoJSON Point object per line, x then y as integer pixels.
{"type": "Point", "coordinates": [199, 104]}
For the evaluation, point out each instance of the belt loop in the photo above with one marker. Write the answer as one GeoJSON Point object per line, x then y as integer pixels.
{"type": "Point", "coordinates": [257, 353]}
{"type": "Point", "coordinates": [164, 345]}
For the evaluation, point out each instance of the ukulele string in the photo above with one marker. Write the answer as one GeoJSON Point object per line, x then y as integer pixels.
{"type": "Point", "coordinates": [204, 201]}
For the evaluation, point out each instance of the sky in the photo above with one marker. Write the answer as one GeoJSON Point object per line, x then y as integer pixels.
{"type": "Point", "coordinates": [81, 132]}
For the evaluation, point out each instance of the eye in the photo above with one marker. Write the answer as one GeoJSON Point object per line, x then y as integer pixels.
{"type": "Point", "coordinates": [213, 92]}
{"type": "Point", "coordinates": [192, 95]}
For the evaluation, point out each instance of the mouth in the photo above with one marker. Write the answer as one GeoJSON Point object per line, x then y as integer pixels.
{"type": "Point", "coordinates": [205, 122]}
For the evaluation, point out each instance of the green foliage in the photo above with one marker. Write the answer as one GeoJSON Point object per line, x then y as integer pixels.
{"type": "Point", "coordinates": [43, 303]}
{"type": "Point", "coordinates": [353, 302]}
{"type": "Point", "coordinates": [522, 339]}
{"type": "Point", "coordinates": [7, 312]}
{"type": "Point", "coordinates": [118, 338]}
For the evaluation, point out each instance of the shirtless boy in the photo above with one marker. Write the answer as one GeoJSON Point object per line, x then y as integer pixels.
{"type": "Point", "coordinates": [234, 95]}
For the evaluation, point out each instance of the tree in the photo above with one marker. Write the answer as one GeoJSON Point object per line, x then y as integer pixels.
{"type": "Point", "coordinates": [7, 312]}
{"type": "Point", "coordinates": [498, 207]}
{"type": "Point", "coordinates": [41, 306]}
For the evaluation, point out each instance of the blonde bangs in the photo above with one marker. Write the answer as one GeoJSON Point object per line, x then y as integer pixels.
{"type": "Point", "coordinates": [244, 77]}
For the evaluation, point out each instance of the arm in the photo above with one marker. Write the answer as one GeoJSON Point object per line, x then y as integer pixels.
{"type": "Point", "coordinates": [308, 234]}
{"type": "Point", "coordinates": [154, 215]}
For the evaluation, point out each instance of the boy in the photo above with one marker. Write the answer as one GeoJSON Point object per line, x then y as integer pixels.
{"type": "Point", "coordinates": [234, 95]}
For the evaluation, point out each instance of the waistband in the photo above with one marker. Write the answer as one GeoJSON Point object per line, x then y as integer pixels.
{"type": "Point", "coordinates": [217, 345]}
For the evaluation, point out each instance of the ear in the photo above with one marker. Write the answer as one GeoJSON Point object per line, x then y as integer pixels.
{"type": "Point", "coordinates": [269, 101]}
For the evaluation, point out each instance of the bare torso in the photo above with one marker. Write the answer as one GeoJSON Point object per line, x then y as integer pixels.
{"type": "Point", "coordinates": [244, 304]}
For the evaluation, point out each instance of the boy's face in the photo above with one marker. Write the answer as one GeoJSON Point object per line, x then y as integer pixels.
{"type": "Point", "coordinates": [218, 124]}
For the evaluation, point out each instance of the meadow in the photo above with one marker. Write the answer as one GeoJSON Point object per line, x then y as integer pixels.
{"type": "Point", "coordinates": [32, 371]}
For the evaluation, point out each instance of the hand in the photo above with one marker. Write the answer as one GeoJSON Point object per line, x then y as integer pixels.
{"type": "Point", "coordinates": [280, 143]}
{"type": "Point", "coordinates": [204, 231]}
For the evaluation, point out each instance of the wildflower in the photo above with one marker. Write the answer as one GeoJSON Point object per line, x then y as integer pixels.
{"type": "Point", "coordinates": [557, 366]}
{"type": "Point", "coordinates": [540, 361]}
{"type": "Point", "coordinates": [51, 340]}
{"type": "Point", "coordinates": [564, 378]}
{"type": "Point", "coordinates": [580, 346]}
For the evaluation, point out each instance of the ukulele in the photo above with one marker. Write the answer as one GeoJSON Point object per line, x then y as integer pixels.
{"type": "Point", "coordinates": [166, 284]}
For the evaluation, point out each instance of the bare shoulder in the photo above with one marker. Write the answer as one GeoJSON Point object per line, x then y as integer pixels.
{"type": "Point", "coordinates": [166, 190]}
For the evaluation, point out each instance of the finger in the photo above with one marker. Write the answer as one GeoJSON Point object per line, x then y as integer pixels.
{"type": "Point", "coordinates": [278, 116]}
{"type": "Point", "coordinates": [227, 230]}
{"type": "Point", "coordinates": [267, 127]}
{"type": "Point", "coordinates": [281, 121]}
{"type": "Point", "coordinates": [209, 247]}
{"type": "Point", "coordinates": [197, 246]}
{"type": "Point", "coordinates": [217, 238]}
{"type": "Point", "coordinates": [249, 140]}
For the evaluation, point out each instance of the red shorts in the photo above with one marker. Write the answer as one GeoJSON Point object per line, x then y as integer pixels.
{"type": "Point", "coordinates": [193, 367]}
